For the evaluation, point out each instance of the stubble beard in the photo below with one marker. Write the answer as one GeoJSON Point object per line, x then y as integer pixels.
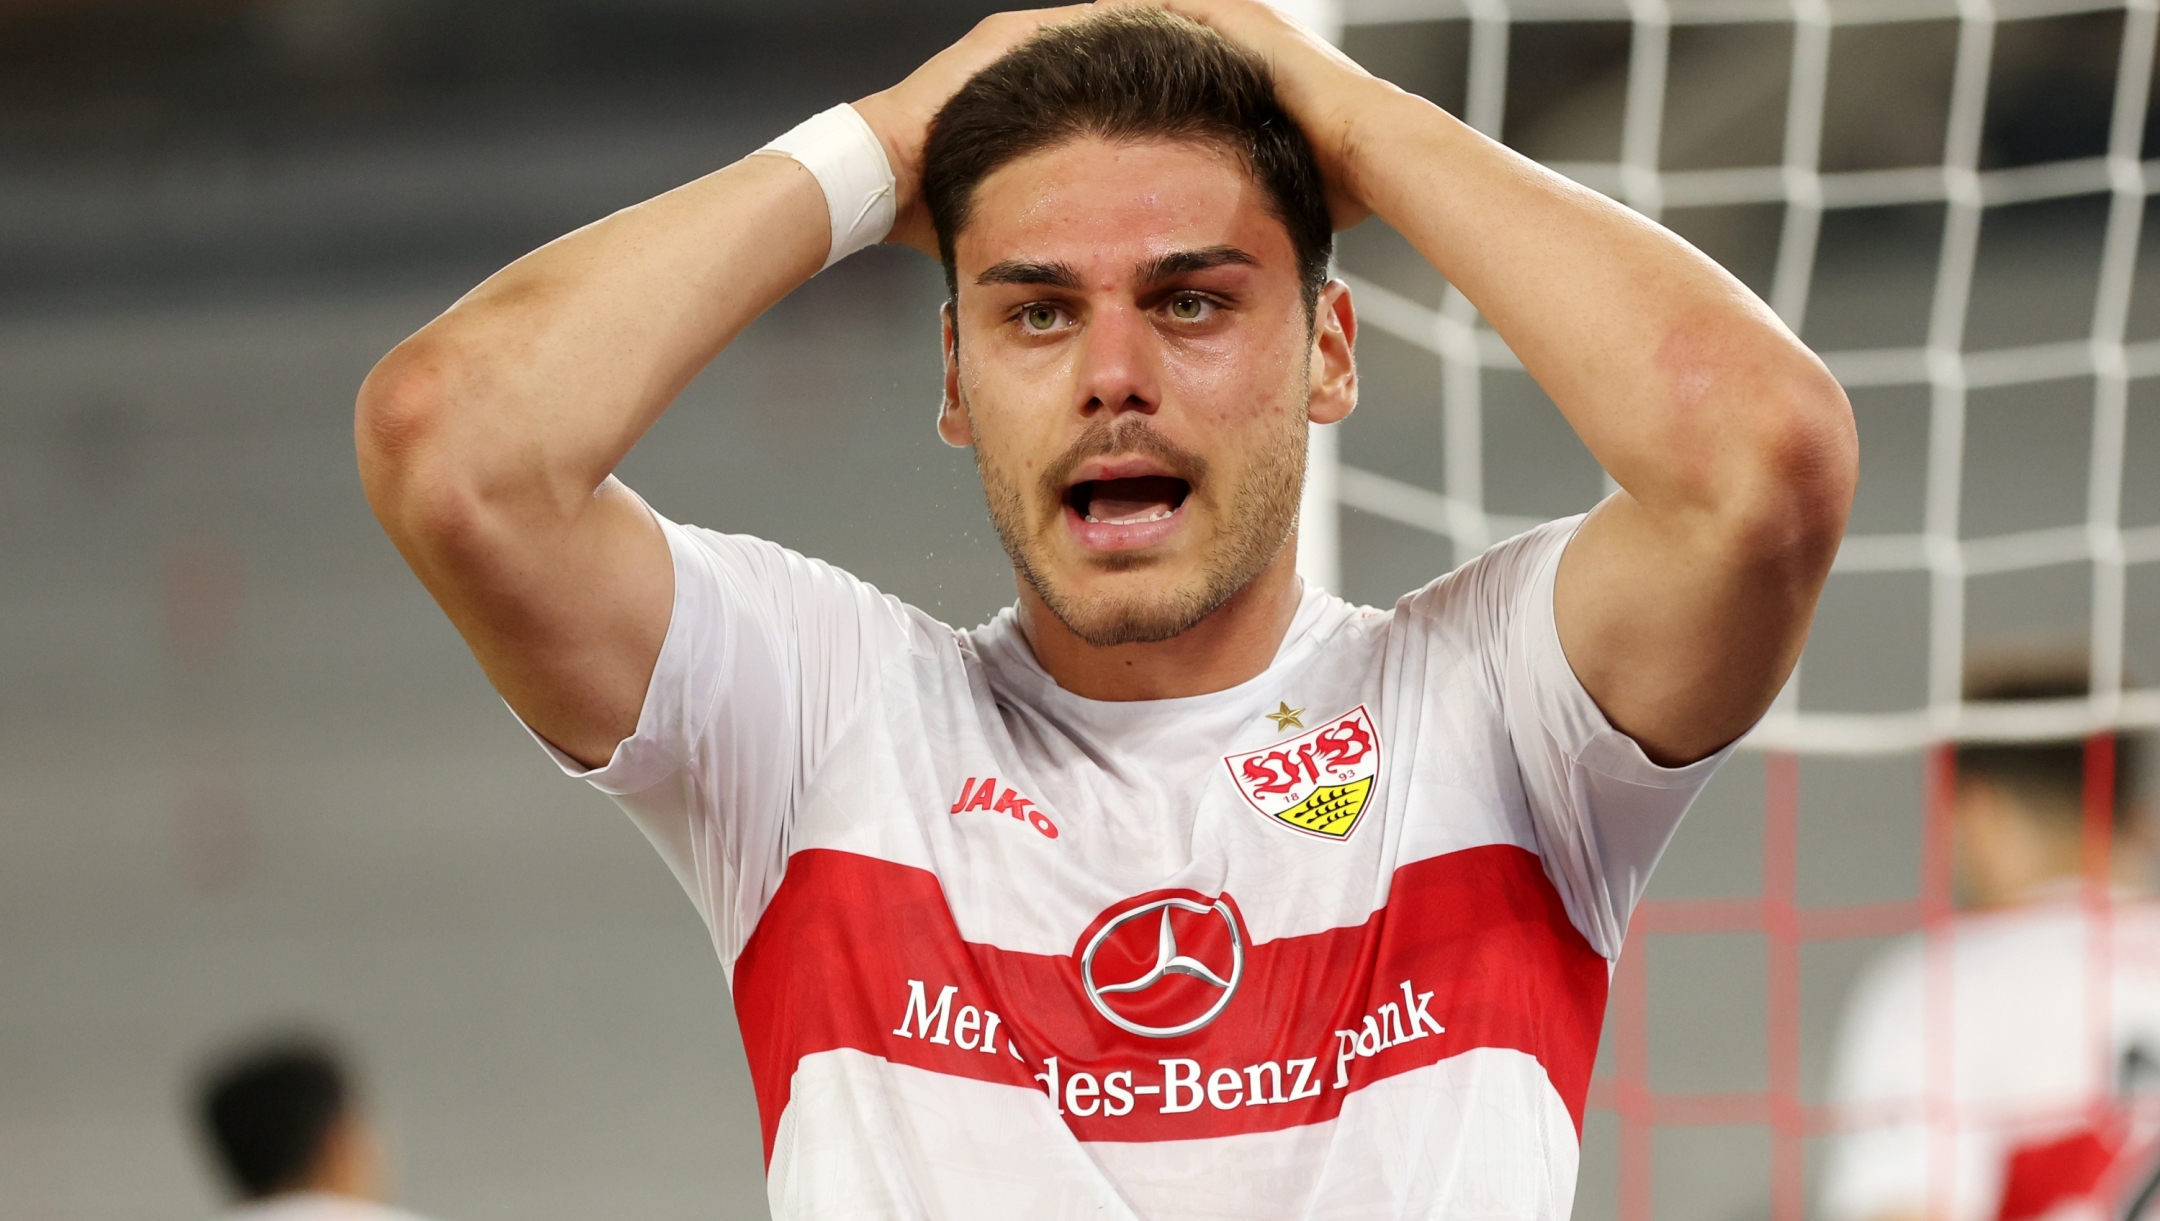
{"type": "Point", "coordinates": [1262, 515]}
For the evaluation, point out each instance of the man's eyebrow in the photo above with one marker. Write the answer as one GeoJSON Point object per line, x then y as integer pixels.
{"type": "Point", "coordinates": [1185, 262]}
{"type": "Point", "coordinates": [1154, 271]}
{"type": "Point", "coordinates": [1015, 271]}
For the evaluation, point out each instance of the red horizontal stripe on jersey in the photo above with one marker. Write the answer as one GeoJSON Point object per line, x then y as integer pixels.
{"type": "Point", "coordinates": [1482, 930]}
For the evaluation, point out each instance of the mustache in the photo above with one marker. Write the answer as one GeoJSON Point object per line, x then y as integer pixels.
{"type": "Point", "coordinates": [1130, 434]}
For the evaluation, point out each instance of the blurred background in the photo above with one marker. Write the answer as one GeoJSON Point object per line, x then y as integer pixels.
{"type": "Point", "coordinates": [249, 775]}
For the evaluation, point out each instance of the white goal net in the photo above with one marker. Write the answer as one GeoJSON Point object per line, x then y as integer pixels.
{"type": "Point", "coordinates": [1941, 358]}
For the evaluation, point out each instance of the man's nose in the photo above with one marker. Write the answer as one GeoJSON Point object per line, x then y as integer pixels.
{"type": "Point", "coordinates": [1118, 371]}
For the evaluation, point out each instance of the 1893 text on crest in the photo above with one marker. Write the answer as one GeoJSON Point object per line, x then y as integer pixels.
{"type": "Point", "coordinates": [1318, 782]}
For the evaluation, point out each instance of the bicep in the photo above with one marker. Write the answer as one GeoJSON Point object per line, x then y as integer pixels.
{"type": "Point", "coordinates": [1681, 630]}
{"type": "Point", "coordinates": [568, 620]}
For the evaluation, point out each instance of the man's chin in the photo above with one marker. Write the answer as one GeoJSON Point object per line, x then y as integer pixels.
{"type": "Point", "coordinates": [1148, 610]}
{"type": "Point", "coordinates": [1103, 624]}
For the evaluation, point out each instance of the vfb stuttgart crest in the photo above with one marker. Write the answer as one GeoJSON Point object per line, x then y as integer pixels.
{"type": "Point", "coordinates": [1317, 782]}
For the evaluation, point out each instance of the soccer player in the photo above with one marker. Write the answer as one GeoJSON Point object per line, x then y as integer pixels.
{"type": "Point", "coordinates": [2046, 1031]}
{"type": "Point", "coordinates": [1180, 888]}
{"type": "Point", "coordinates": [290, 1138]}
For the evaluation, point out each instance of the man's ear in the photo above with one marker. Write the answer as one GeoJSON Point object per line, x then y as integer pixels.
{"type": "Point", "coordinates": [1334, 360]}
{"type": "Point", "coordinates": [953, 424]}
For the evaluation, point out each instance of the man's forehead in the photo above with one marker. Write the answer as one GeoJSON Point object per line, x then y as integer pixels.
{"type": "Point", "coordinates": [1119, 209]}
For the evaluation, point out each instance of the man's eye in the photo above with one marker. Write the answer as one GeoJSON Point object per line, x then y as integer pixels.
{"type": "Point", "coordinates": [1039, 317]}
{"type": "Point", "coordinates": [1189, 309]}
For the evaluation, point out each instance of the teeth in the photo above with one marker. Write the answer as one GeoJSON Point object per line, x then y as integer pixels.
{"type": "Point", "coordinates": [1160, 515]}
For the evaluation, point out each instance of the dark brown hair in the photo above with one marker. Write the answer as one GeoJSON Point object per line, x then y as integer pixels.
{"type": "Point", "coordinates": [2048, 776]}
{"type": "Point", "coordinates": [1127, 74]}
{"type": "Point", "coordinates": [268, 1109]}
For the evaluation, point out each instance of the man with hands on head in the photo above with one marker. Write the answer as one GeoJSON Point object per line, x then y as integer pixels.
{"type": "Point", "coordinates": [1181, 888]}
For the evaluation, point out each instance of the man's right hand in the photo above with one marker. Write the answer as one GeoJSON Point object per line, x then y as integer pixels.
{"type": "Point", "coordinates": [901, 115]}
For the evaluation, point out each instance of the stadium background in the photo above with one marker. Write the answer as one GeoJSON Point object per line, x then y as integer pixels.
{"type": "Point", "coordinates": [248, 774]}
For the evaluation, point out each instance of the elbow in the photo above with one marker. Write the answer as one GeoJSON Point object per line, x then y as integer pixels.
{"type": "Point", "coordinates": [1759, 441]}
{"type": "Point", "coordinates": [403, 425]}
{"type": "Point", "coordinates": [1798, 483]}
{"type": "Point", "coordinates": [401, 406]}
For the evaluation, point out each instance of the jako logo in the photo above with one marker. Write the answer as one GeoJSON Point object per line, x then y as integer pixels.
{"type": "Point", "coordinates": [1165, 967]}
{"type": "Point", "coordinates": [983, 795]}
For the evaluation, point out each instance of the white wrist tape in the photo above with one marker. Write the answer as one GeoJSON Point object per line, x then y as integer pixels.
{"type": "Point", "coordinates": [848, 161]}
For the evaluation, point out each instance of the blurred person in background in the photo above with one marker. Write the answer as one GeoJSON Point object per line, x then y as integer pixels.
{"type": "Point", "coordinates": [2039, 1119]}
{"type": "Point", "coordinates": [286, 1129]}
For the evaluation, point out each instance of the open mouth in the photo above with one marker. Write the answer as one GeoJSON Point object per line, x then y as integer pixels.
{"type": "Point", "coordinates": [1134, 501]}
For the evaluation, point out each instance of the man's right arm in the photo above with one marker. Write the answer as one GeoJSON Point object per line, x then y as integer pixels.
{"type": "Point", "coordinates": [487, 439]}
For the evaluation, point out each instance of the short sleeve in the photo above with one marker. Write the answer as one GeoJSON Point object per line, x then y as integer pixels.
{"type": "Point", "coordinates": [1601, 810]}
{"type": "Point", "coordinates": [769, 655]}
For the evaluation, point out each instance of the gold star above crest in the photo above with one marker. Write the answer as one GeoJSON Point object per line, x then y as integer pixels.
{"type": "Point", "coordinates": [1286, 717]}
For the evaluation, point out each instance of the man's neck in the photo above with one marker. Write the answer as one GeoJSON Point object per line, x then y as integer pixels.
{"type": "Point", "coordinates": [349, 1164]}
{"type": "Point", "coordinates": [1234, 643]}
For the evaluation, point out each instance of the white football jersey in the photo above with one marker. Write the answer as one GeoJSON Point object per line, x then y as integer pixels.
{"type": "Point", "coordinates": [1333, 942]}
{"type": "Point", "coordinates": [2013, 1128]}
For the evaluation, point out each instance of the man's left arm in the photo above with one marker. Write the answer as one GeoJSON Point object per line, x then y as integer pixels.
{"type": "Point", "coordinates": [1683, 601]}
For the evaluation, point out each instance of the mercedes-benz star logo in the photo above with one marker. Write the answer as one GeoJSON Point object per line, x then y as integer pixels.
{"type": "Point", "coordinates": [1169, 962]}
